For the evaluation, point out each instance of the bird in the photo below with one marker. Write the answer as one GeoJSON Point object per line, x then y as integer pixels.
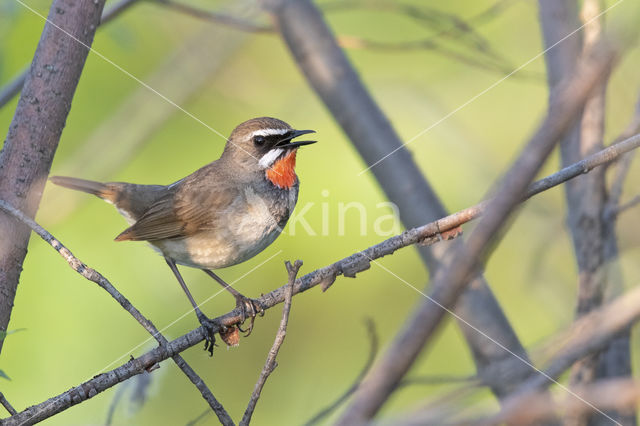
{"type": "Point", "coordinates": [221, 215]}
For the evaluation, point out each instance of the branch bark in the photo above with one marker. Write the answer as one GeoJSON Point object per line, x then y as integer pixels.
{"type": "Point", "coordinates": [36, 128]}
{"type": "Point", "coordinates": [7, 405]}
{"type": "Point", "coordinates": [271, 363]}
{"type": "Point", "coordinates": [96, 277]}
{"type": "Point", "coordinates": [329, 72]}
{"type": "Point", "coordinates": [622, 395]}
{"type": "Point", "coordinates": [465, 259]}
{"type": "Point", "coordinates": [587, 196]}
{"type": "Point", "coordinates": [323, 277]}
{"type": "Point", "coordinates": [587, 335]}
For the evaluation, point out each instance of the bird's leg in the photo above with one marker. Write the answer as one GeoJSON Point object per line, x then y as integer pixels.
{"type": "Point", "coordinates": [244, 304]}
{"type": "Point", "coordinates": [208, 324]}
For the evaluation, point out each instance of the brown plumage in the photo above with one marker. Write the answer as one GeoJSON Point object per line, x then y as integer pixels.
{"type": "Point", "coordinates": [222, 214]}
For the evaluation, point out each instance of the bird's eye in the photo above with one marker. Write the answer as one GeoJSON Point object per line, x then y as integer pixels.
{"type": "Point", "coordinates": [259, 140]}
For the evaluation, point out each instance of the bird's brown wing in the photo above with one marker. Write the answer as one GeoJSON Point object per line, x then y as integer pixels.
{"type": "Point", "coordinates": [180, 214]}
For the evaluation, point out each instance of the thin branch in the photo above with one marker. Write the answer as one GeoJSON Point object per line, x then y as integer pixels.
{"type": "Point", "coordinates": [7, 405]}
{"type": "Point", "coordinates": [622, 395]}
{"type": "Point", "coordinates": [623, 164]}
{"type": "Point", "coordinates": [492, 61]}
{"type": "Point", "coordinates": [14, 87]}
{"type": "Point", "coordinates": [439, 380]}
{"type": "Point", "coordinates": [11, 89]}
{"type": "Point", "coordinates": [216, 17]}
{"type": "Point", "coordinates": [587, 335]}
{"type": "Point", "coordinates": [323, 277]}
{"type": "Point", "coordinates": [626, 206]}
{"type": "Point", "coordinates": [271, 363]}
{"type": "Point", "coordinates": [432, 44]}
{"type": "Point", "coordinates": [373, 351]}
{"type": "Point", "coordinates": [94, 276]}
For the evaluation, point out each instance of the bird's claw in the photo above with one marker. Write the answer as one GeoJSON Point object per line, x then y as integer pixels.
{"type": "Point", "coordinates": [248, 308]}
{"type": "Point", "coordinates": [210, 328]}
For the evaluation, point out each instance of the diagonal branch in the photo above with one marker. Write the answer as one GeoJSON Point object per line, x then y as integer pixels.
{"type": "Point", "coordinates": [464, 260]}
{"type": "Point", "coordinates": [271, 363]}
{"type": "Point", "coordinates": [7, 405]}
{"type": "Point", "coordinates": [14, 87]}
{"type": "Point", "coordinates": [96, 277]}
{"type": "Point", "coordinates": [587, 335]}
{"type": "Point", "coordinates": [337, 83]}
{"type": "Point", "coordinates": [323, 277]}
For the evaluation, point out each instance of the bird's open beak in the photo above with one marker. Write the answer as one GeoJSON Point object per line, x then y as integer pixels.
{"type": "Point", "coordinates": [286, 141]}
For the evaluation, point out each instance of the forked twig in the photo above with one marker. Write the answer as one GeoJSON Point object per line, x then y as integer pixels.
{"type": "Point", "coordinates": [271, 363]}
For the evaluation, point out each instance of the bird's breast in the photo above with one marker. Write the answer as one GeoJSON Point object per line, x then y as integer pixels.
{"type": "Point", "coordinates": [250, 224]}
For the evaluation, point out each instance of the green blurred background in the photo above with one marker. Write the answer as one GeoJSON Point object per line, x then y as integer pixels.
{"type": "Point", "coordinates": [118, 130]}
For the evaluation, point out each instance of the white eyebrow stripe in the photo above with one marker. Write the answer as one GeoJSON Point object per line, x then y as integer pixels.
{"type": "Point", "coordinates": [270, 132]}
{"type": "Point", "coordinates": [267, 160]}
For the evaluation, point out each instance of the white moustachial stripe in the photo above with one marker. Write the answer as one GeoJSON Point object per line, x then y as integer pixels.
{"type": "Point", "coordinates": [270, 132]}
{"type": "Point", "coordinates": [267, 160]}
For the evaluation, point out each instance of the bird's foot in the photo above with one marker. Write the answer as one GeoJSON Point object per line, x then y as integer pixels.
{"type": "Point", "coordinates": [210, 327]}
{"type": "Point", "coordinates": [249, 308]}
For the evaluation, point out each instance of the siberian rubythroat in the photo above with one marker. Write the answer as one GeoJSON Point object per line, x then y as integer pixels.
{"type": "Point", "coordinates": [220, 215]}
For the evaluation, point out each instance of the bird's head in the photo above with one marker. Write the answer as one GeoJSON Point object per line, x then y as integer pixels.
{"type": "Point", "coordinates": [266, 145]}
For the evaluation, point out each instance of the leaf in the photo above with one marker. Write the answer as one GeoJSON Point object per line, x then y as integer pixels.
{"type": "Point", "coordinates": [4, 375]}
{"type": "Point", "coordinates": [231, 337]}
{"type": "Point", "coordinates": [4, 334]}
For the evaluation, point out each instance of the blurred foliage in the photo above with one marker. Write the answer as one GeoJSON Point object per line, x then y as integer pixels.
{"type": "Point", "coordinates": [77, 331]}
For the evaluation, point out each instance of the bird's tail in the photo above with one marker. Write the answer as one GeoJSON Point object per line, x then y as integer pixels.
{"type": "Point", "coordinates": [98, 189]}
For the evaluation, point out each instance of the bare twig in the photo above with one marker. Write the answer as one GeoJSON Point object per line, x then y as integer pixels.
{"type": "Point", "coordinates": [271, 363]}
{"type": "Point", "coordinates": [585, 196]}
{"type": "Point", "coordinates": [324, 277]}
{"type": "Point", "coordinates": [451, 279]}
{"type": "Point", "coordinates": [432, 44]}
{"type": "Point", "coordinates": [14, 87]}
{"type": "Point", "coordinates": [623, 164]}
{"type": "Point", "coordinates": [488, 60]}
{"type": "Point", "coordinates": [612, 394]}
{"type": "Point", "coordinates": [439, 380]}
{"type": "Point", "coordinates": [96, 277]}
{"type": "Point", "coordinates": [456, 29]}
{"type": "Point", "coordinates": [373, 351]}
{"type": "Point", "coordinates": [7, 405]}
{"type": "Point", "coordinates": [216, 17]}
{"type": "Point", "coordinates": [626, 206]}
{"type": "Point", "coordinates": [587, 335]}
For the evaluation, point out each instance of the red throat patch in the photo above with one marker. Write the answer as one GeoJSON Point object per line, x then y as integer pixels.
{"type": "Point", "coordinates": [282, 173]}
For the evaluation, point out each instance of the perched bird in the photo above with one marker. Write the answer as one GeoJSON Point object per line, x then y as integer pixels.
{"type": "Point", "coordinates": [222, 214]}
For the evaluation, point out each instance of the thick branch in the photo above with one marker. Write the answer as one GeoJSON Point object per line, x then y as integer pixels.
{"type": "Point", "coordinates": [586, 197]}
{"type": "Point", "coordinates": [36, 128]}
{"type": "Point", "coordinates": [324, 277]}
{"type": "Point", "coordinates": [465, 259]}
{"type": "Point", "coordinates": [271, 363]}
{"type": "Point", "coordinates": [337, 83]}
{"type": "Point", "coordinates": [96, 277]}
